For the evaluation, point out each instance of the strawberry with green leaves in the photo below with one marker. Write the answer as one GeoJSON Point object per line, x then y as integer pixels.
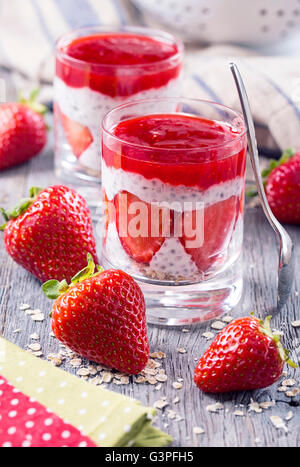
{"type": "Point", "coordinates": [245, 355]}
{"type": "Point", "coordinates": [282, 186]}
{"type": "Point", "coordinates": [101, 316]}
{"type": "Point", "coordinates": [50, 233]}
{"type": "Point", "coordinates": [23, 131]}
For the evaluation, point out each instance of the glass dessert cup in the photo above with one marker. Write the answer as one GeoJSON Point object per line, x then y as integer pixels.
{"type": "Point", "coordinates": [97, 69]}
{"type": "Point", "coordinates": [173, 180]}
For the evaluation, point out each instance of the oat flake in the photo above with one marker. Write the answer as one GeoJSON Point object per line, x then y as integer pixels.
{"type": "Point", "coordinates": [177, 385]}
{"type": "Point", "coordinates": [160, 404]}
{"type": "Point", "coordinates": [288, 382]}
{"type": "Point", "coordinates": [239, 413]}
{"type": "Point", "coordinates": [35, 347]}
{"type": "Point", "coordinates": [197, 430]}
{"type": "Point", "coordinates": [208, 335]}
{"type": "Point", "coordinates": [214, 407]}
{"type": "Point", "coordinates": [292, 393]}
{"type": "Point", "coordinates": [278, 423]}
{"type": "Point", "coordinates": [218, 325]}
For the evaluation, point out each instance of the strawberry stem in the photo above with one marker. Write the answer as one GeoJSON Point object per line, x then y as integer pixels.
{"type": "Point", "coordinates": [265, 328]}
{"type": "Point", "coordinates": [286, 156]}
{"type": "Point", "coordinates": [53, 288]}
{"type": "Point", "coordinates": [20, 207]}
{"type": "Point", "coordinates": [32, 103]}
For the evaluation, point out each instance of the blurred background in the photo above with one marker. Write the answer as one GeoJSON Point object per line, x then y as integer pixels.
{"type": "Point", "coordinates": [262, 36]}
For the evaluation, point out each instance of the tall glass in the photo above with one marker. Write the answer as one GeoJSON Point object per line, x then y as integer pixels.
{"type": "Point", "coordinates": [173, 178]}
{"type": "Point", "coordinates": [85, 89]}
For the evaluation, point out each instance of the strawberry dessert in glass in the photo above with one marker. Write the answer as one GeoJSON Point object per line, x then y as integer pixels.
{"type": "Point", "coordinates": [173, 179]}
{"type": "Point", "coordinates": [98, 69]}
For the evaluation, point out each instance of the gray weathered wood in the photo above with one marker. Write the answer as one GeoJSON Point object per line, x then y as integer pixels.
{"type": "Point", "coordinates": [222, 428]}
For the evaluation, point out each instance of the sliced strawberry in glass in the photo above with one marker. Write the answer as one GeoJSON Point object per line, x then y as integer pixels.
{"type": "Point", "coordinates": [216, 227]}
{"type": "Point", "coordinates": [78, 136]}
{"type": "Point", "coordinates": [142, 227]}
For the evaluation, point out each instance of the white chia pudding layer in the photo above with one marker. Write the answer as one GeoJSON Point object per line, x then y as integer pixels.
{"type": "Point", "coordinates": [178, 198]}
{"type": "Point", "coordinates": [88, 107]}
{"type": "Point", "coordinates": [171, 261]}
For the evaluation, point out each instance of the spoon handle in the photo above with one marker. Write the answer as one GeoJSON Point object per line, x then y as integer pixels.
{"type": "Point", "coordinates": [286, 260]}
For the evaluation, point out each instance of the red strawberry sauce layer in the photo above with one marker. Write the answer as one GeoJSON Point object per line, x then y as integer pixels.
{"type": "Point", "coordinates": [118, 64]}
{"type": "Point", "coordinates": [189, 151]}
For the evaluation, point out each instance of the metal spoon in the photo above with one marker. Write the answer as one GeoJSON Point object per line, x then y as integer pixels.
{"type": "Point", "coordinates": [286, 268]}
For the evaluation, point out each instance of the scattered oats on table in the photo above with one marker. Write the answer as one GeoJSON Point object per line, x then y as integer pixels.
{"type": "Point", "coordinates": [161, 377]}
{"type": "Point", "coordinates": [55, 359]}
{"type": "Point", "coordinates": [278, 422]}
{"type": "Point", "coordinates": [38, 317]}
{"type": "Point", "coordinates": [76, 362]}
{"type": "Point", "coordinates": [218, 325]}
{"type": "Point", "coordinates": [214, 407]}
{"type": "Point", "coordinates": [292, 392]}
{"type": "Point", "coordinates": [24, 306]}
{"type": "Point", "coordinates": [227, 319]}
{"type": "Point", "coordinates": [282, 388]}
{"type": "Point", "coordinates": [151, 380]}
{"type": "Point", "coordinates": [182, 350]}
{"type": "Point", "coordinates": [150, 371]}
{"type": "Point", "coordinates": [83, 372]}
{"type": "Point", "coordinates": [254, 407]}
{"type": "Point", "coordinates": [107, 377]}
{"type": "Point", "coordinates": [296, 324]}
{"type": "Point", "coordinates": [159, 355]}
{"type": "Point", "coordinates": [93, 371]}
{"type": "Point", "coordinates": [140, 379]}
{"type": "Point", "coordinates": [171, 414]}
{"type": "Point", "coordinates": [177, 385]}
{"type": "Point", "coordinates": [208, 335]}
{"type": "Point", "coordinates": [289, 416]}
{"type": "Point", "coordinates": [238, 413]}
{"type": "Point", "coordinates": [35, 347]}
{"type": "Point", "coordinates": [34, 337]}
{"type": "Point", "coordinates": [160, 404]}
{"type": "Point", "coordinates": [267, 404]}
{"type": "Point", "coordinates": [197, 430]}
{"type": "Point", "coordinates": [288, 382]}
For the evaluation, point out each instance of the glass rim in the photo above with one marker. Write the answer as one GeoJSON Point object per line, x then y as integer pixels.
{"type": "Point", "coordinates": [174, 99]}
{"type": "Point", "coordinates": [118, 29]}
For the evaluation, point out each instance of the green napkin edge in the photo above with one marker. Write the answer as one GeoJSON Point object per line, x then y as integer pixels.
{"type": "Point", "coordinates": [142, 433]}
{"type": "Point", "coordinates": [152, 437]}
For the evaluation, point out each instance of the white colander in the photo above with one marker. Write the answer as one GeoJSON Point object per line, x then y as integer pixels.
{"type": "Point", "coordinates": [250, 22]}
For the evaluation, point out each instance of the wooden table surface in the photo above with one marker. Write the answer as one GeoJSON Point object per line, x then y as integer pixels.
{"type": "Point", "coordinates": [233, 424]}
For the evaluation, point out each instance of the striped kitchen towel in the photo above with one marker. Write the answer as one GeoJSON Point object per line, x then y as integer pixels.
{"type": "Point", "coordinates": [28, 31]}
{"type": "Point", "coordinates": [273, 87]}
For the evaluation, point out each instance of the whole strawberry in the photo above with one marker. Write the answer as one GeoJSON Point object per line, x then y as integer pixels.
{"type": "Point", "coordinates": [282, 186]}
{"type": "Point", "coordinates": [50, 233]}
{"type": "Point", "coordinates": [23, 132]}
{"type": "Point", "coordinates": [101, 316]}
{"type": "Point", "coordinates": [245, 355]}
{"type": "Point", "coordinates": [283, 189]}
